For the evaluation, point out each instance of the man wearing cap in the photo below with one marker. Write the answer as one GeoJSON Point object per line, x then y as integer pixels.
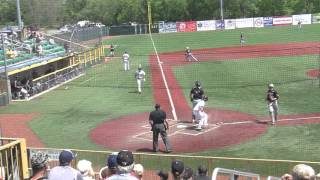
{"type": "Point", "coordinates": [177, 168]}
{"type": "Point", "coordinates": [159, 125]}
{"type": "Point", "coordinates": [39, 165]}
{"type": "Point", "coordinates": [196, 95]}
{"type": "Point", "coordinates": [125, 59]}
{"type": "Point", "coordinates": [272, 98]}
{"type": "Point", "coordinates": [125, 164]}
{"type": "Point", "coordinates": [163, 175]}
{"type": "Point", "coordinates": [140, 77]}
{"type": "Point", "coordinates": [64, 171]}
{"type": "Point", "coordinates": [111, 167]}
{"type": "Point", "coordinates": [202, 173]}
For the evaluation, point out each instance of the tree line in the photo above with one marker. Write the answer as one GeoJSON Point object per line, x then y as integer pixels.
{"type": "Point", "coordinates": [55, 13]}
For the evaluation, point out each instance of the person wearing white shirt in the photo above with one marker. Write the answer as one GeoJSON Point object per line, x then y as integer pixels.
{"type": "Point", "coordinates": [126, 62]}
{"type": "Point", "coordinates": [140, 77]}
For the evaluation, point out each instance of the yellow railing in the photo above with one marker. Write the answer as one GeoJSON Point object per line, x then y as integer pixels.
{"type": "Point", "coordinates": [13, 159]}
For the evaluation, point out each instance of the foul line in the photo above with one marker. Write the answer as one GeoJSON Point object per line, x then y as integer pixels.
{"type": "Point", "coordinates": [164, 79]}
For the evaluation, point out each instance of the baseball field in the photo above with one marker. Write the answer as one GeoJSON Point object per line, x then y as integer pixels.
{"type": "Point", "coordinates": [103, 111]}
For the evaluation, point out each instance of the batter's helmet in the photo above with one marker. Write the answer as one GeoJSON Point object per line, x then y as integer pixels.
{"type": "Point", "coordinates": [271, 85]}
{"type": "Point", "coordinates": [197, 83]}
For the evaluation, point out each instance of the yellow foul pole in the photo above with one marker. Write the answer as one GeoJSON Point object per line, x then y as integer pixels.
{"type": "Point", "coordinates": [149, 15]}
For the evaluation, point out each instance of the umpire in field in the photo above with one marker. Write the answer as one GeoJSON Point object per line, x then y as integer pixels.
{"type": "Point", "coordinates": [159, 125]}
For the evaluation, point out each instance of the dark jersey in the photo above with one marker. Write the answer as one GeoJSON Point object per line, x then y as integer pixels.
{"type": "Point", "coordinates": [157, 116]}
{"type": "Point", "coordinates": [197, 93]}
{"type": "Point", "coordinates": [272, 95]}
{"type": "Point", "coordinates": [111, 48]}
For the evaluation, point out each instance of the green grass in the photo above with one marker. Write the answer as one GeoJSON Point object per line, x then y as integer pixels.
{"type": "Point", "coordinates": [67, 116]}
{"type": "Point", "coordinates": [241, 84]}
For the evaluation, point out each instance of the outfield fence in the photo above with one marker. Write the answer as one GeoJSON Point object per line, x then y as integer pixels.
{"type": "Point", "coordinates": [264, 167]}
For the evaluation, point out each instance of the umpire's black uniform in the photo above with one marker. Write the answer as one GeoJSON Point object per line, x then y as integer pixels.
{"type": "Point", "coordinates": [157, 120]}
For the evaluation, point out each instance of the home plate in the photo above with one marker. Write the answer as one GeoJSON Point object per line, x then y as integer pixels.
{"type": "Point", "coordinates": [181, 126]}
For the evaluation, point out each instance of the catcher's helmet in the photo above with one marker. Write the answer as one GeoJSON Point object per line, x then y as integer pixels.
{"type": "Point", "coordinates": [197, 83]}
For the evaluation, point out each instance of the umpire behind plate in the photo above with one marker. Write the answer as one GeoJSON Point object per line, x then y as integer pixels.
{"type": "Point", "coordinates": [159, 124]}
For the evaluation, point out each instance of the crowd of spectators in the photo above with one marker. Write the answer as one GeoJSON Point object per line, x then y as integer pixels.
{"type": "Point", "coordinates": [121, 166]}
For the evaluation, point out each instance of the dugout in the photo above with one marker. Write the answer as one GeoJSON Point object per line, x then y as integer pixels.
{"type": "Point", "coordinates": [44, 75]}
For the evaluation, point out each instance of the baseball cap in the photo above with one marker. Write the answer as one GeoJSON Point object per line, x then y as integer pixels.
{"type": "Point", "coordinates": [202, 169]}
{"type": "Point", "coordinates": [177, 167]}
{"type": "Point", "coordinates": [112, 161]}
{"type": "Point", "coordinates": [187, 173]}
{"type": "Point", "coordinates": [39, 159]}
{"type": "Point", "coordinates": [65, 157]}
{"type": "Point", "coordinates": [163, 174]}
{"type": "Point", "coordinates": [271, 85]}
{"type": "Point", "coordinates": [157, 106]}
{"type": "Point", "coordinates": [125, 158]}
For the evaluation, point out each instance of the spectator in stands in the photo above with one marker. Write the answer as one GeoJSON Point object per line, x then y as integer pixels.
{"type": "Point", "coordinates": [85, 168]}
{"type": "Point", "coordinates": [39, 165]}
{"type": "Point", "coordinates": [163, 175]}
{"type": "Point", "coordinates": [177, 168]}
{"type": "Point", "coordinates": [111, 167]}
{"type": "Point", "coordinates": [300, 172]}
{"type": "Point", "coordinates": [39, 50]}
{"type": "Point", "coordinates": [66, 47]}
{"type": "Point", "coordinates": [202, 173]}
{"type": "Point", "coordinates": [11, 54]}
{"type": "Point", "coordinates": [187, 174]}
{"type": "Point", "coordinates": [64, 171]}
{"type": "Point", "coordinates": [138, 171]}
{"type": "Point", "coordinates": [125, 164]}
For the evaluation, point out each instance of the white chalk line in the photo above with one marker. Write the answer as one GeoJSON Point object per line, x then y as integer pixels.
{"type": "Point", "coordinates": [215, 126]}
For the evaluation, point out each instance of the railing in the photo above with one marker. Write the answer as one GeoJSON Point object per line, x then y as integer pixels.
{"type": "Point", "coordinates": [233, 174]}
{"type": "Point", "coordinates": [13, 159]}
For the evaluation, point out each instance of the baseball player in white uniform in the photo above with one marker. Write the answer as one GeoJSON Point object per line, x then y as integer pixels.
{"type": "Point", "coordinates": [272, 98]}
{"type": "Point", "coordinates": [140, 77]}
{"type": "Point", "coordinates": [201, 116]}
{"type": "Point", "coordinates": [126, 63]}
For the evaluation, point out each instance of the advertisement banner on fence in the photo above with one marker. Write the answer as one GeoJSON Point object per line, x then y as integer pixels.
{"type": "Point", "coordinates": [303, 18]}
{"type": "Point", "coordinates": [206, 25]}
{"type": "Point", "coordinates": [167, 27]}
{"type": "Point", "coordinates": [244, 23]}
{"type": "Point", "coordinates": [282, 20]}
{"type": "Point", "coordinates": [219, 24]}
{"type": "Point", "coordinates": [189, 26]}
{"type": "Point", "coordinates": [267, 21]}
{"type": "Point", "coordinates": [229, 24]}
{"type": "Point", "coordinates": [258, 22]}
{"type": "Point", "coordinates": [316, 18]}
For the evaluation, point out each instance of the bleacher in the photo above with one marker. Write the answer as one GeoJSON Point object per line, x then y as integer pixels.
{"type": "Point", "coordinates": [49, 50]}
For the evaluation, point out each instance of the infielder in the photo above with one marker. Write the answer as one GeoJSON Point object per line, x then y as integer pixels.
{"type": "Point", "coordinates": [189, 55]}
{"type": "Point", "coordinates": [112, 48]}
{"type": "Point", "coordinates": [196, 95]}
{"type": "Point", "coordinates": [242, 41]}
{"type": "Point", "coordinates": [200, 115]}
{"type": "Point", "coordinates": [272, 98]}
{"type": "Point", "coordinates": [140, 76]}
{"type": "Point", "coordinates": [126, 63]}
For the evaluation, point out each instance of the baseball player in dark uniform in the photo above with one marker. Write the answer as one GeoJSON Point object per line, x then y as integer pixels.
{"type": "Point", "coordinates": [242, 41]}
{"type": "Point", "coordinates": [196, 95]}
{"type": "Point", "coordinates": [112, 50]}
{"type": "Point", "coordinates": [272, 98]}
{"type": "Point", "coordinates": [159, 125]}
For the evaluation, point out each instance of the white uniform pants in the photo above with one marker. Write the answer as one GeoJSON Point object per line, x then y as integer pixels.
{"type": "Point", "coordinates": [139, 82]}
{"type": "Point", "coordinates": [194, 103]}
{"type": "Point", "coordinates": [273, 110]}
{"type": "Point", "coordinates": [203, 119]}
{"type": "Point", "coordinates": [126, 65]}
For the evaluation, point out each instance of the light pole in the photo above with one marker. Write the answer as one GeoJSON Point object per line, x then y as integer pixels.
{"type": "Point", "coordinates": [221, 9]}
{"type": "Point", "coordinates": [19, 15]}
{"type": "Point", "coordinates": [8, 89]}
